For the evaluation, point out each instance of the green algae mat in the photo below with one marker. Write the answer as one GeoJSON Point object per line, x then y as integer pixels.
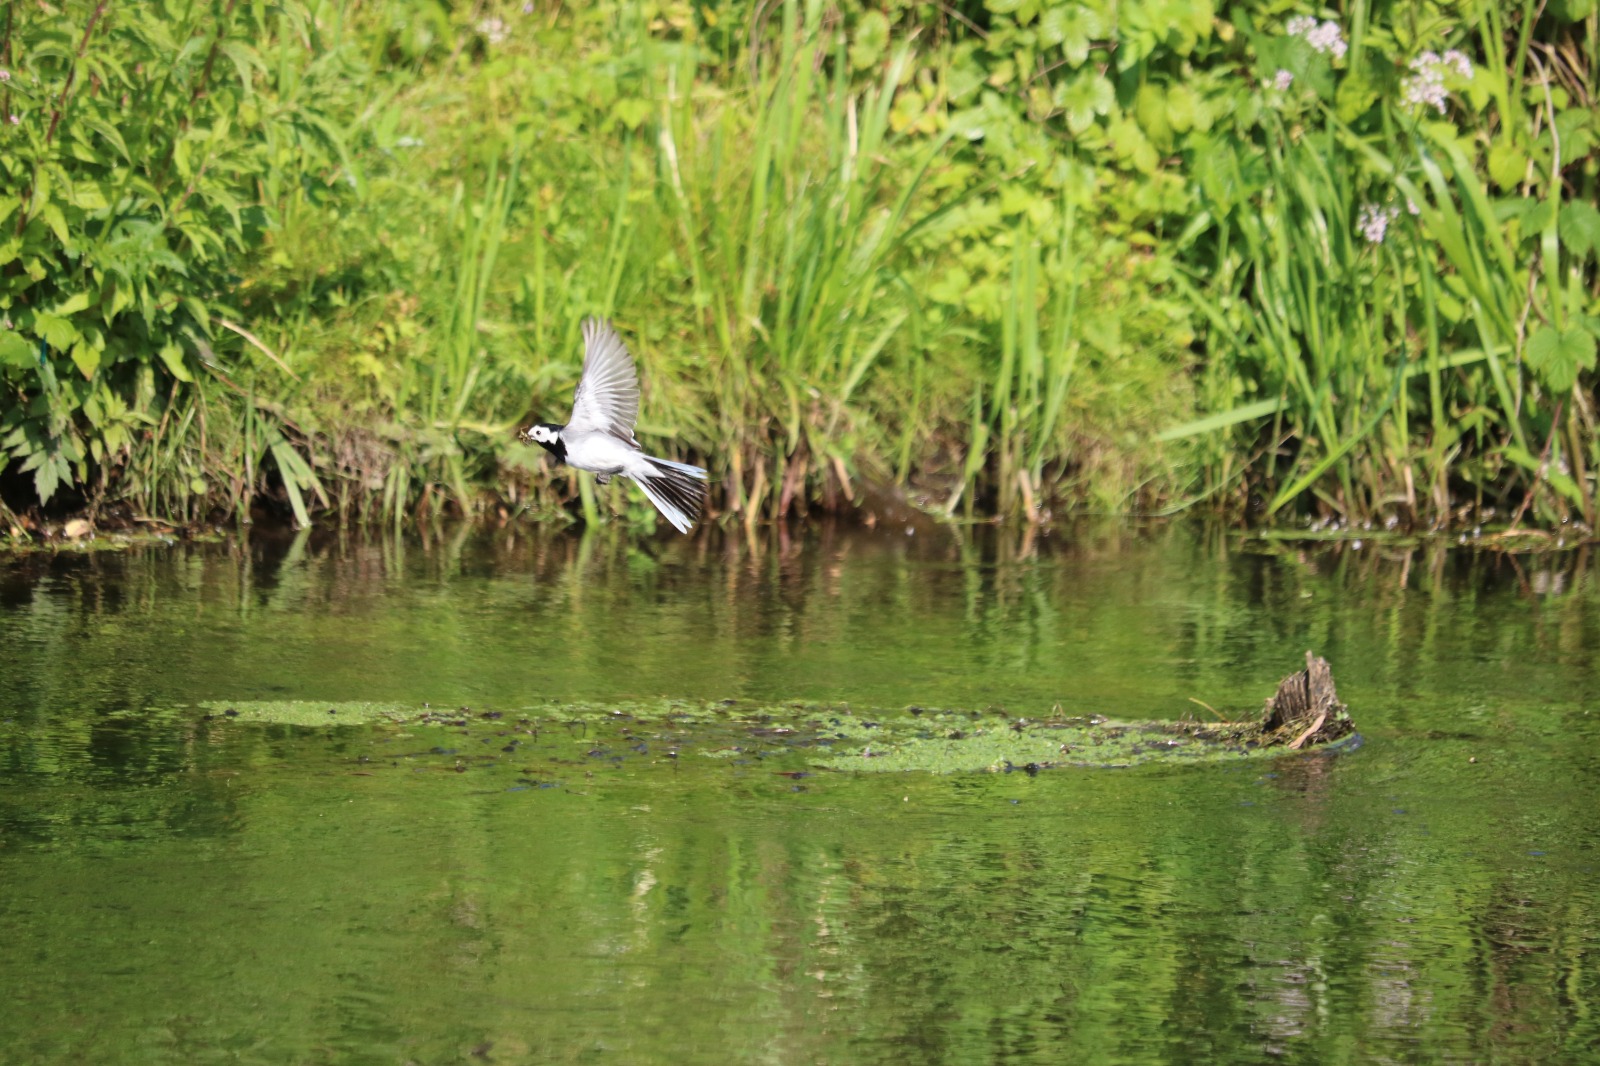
{"type": "Point", "coordinates": [797, 737]}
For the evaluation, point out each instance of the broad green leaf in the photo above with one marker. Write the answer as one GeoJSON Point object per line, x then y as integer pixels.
{"type": "Point", "coordinates": [17, 351]}
{"type": "Point", "coordinates": [1576, 128]}
{"type": "Point", "coordinates": [45, 479]}
{"type": "Point", "coordinates": [111, 135]}
{"type": "Point", "coordinates": [172, 356]}
{"type": "Point", "coordinates": [57, 332]}
{"type": "Point", "coordinates": [52, 216]}
{"type": "Point", "coordinates": [1131, 145]}
{"type": "Point", "coordinates": [869, 41]}
{"type": "Point", "coordinates": [78, 301]}
{"type": "Point", "coordinates": [1052, 26]}
{"type": "Point", "coordinates": [1356, 95]}
{"type": "Point", "coordinates": [1541, 215]}
{"type": "Point", "coordinates": [43, 186]}
{"type": "Point", "coordinates": [88, 196]}
{"type": "Point", "coordinates": [1310, 69]}
{"type": "Point", "coordinates": [1150, 107]}
{"type": "Point", "coordinates": [79, 147]}
{"type": "Point", "coordinates": [1088, 94]}
{"type": "Point", "coordinates": [121, 297]}
{"type": "Point", "coordinates": [199, 312]}
{"type": "Point", "coordinates": [1508, 164]}
{"type": "Point", "coordinates": [1196, 16]}
{"type": "Point", "coordinates": [1580, 227]}
{"type": "Point", "coordinates": [1183, 108]}
{"type": "Point", "coordinates": [1557, 357]}
{"type": "Point", "coordinates": [1074, 28]}
{"type": "Point", "coordinates": [631, 111]}
{"type": "Point", "coordinates": [245, 63]}
{"type": "Point", "coordinates": [87, 359]}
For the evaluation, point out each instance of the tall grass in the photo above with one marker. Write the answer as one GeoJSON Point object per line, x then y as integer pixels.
{"type": "Point", "coordinates": [1318, 322]}
{"type": "Point", "coordinates": [762, 224]}
{"type": "Point", "coordinates": [762, 232]}
{"type": "Point", "coordinates": [790, 232]}
{"type": "Point", "coordinates": [1401, 374]}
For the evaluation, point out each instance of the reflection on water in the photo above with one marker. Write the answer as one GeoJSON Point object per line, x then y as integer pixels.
{"type": "Point", "coordinates": [180, 892]}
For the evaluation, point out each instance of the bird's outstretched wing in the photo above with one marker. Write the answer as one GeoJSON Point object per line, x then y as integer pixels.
{"type": "Point", "coordinates": [607, 400]}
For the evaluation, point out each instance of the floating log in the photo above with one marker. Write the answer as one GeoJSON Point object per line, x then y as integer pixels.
{"type": "Point", "coordinates": [801, 737]}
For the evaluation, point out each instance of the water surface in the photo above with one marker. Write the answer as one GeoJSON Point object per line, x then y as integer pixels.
{"type": "Point", "coordinates": [176, 889]}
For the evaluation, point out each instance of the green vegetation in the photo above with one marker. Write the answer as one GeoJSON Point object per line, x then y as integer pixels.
{"type": "Point", "coordinates": [802, 734]}
{"type": "Point", "coordinates": [1015, 257]}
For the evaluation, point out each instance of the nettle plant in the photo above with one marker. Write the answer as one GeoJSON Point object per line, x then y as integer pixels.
{"type": "Point", "coordinates": [1083, 101]}
{"type": "Point", "coordinates": [134, 142]}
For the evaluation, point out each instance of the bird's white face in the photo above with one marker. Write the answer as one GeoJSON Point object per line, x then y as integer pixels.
{"type": "Point", "coordinates": [542, 435]}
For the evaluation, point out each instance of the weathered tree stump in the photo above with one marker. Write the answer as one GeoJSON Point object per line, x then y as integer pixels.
{"type": "Point", "coordinates": [1306, 709]}
{"type": "Point", "coordinates": [1304, 712]}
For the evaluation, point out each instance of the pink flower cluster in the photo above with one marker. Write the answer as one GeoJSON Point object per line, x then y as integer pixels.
{"type": "Point", "coordinates": [1321, 36]}
{"type": "Point", "coordinates": [1426, 83]}
{"type": "Point", "coordinates": [494, 29]}
{"type": "Point", "coordinates": [1374, 222]}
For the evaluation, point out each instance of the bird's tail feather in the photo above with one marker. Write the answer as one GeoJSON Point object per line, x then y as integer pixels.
{"type": "Point", "coordinates": [698, 473]}
{"type": "Point", "coordinates": [677, 490]}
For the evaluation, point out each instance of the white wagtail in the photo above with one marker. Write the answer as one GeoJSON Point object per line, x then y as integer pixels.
{"type": "Point", "coordinates": [599, 435]}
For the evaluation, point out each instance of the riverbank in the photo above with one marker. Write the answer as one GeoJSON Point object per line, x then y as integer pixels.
{"type": "Point", "coordinates": [999, 263]}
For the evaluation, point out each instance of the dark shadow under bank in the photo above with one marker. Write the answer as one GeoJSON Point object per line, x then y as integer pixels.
{"type": "Point", "coordinates": [1538, 562]}
{"type": "Point", "coordinates": [76, 520]}
{"type": "Point", "coordinates": [121, 530]}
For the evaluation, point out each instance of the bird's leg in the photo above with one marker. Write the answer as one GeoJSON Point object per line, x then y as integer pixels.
{"type": "Point", "coordinates": [602, 479]}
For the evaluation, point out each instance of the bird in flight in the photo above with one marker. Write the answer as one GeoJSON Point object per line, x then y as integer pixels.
{"type": "Point", "coordinates": [598, 436]}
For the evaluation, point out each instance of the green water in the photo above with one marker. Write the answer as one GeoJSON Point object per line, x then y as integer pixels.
{"type": "Point", "coordinates": [177, 888]}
